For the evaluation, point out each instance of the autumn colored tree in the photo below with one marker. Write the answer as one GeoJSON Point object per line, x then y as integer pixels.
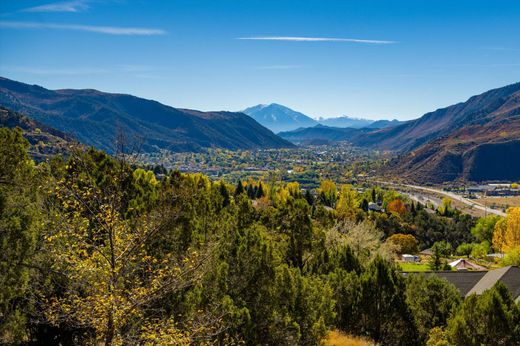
{"type": "Point", "coordinates": [506, 235]}
{"type": "Point", "coordinates": [112, 276]}
{"type": "Point", "coordinates": [406, 243]}
{"type": "Point", "coordinates": [397, 206]}
{"type": "Point", "coordinates": [348, 203]}
{"type": "Point", "coordinates": [328, 193]}
{"type": "Point", "coordinates": [294, 189]}
{"type": "Point", "coordinates": [445, 209]}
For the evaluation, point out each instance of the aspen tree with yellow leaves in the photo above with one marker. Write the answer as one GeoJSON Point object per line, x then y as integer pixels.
{"type": "Point", "coordinates": [112, 274]}
{"type": "Point", "coordinates": [506, 235]}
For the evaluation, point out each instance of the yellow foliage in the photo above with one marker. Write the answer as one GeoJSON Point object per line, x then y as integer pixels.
{"type": "Point", "coordinates": [348, 202]}
{"type": "Point", "coordinates": [294, 189]}
{"type": "Point", "coordinates": [405, 242]}
{"type": "Point", "coordinates": [336, 338]}
{"type": "Point", "coordinates": [103, 255]}
{"type": "Point", "coordinates": [506, 235]}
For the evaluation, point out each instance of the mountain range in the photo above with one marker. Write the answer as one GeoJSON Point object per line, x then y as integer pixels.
{"type": "Point", "coordinates": [95, 118]}
{"type": "Point", "coordinates": [476, 140]}
{"type": "Point", "coordinates": [345, 121]}
{"type": "Point", "coordinates": [321, 134]}
{"type": "Point", "coordinates": [279, 118]}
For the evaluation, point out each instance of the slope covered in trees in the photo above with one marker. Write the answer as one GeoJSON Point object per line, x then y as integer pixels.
{"type": "Point", "coordinates": [96, 118]}
{"type": "Point", "coordinates": [97, 250]}
{"type": "Point", "coordinates": [44, 140]}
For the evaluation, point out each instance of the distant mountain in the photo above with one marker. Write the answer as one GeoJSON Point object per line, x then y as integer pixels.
{"type": "Point", "coordinates": [279, 118]}
{"type": "Point", "coordinates": [345, 121]}
{"type": "Point", "coordinates": [382, 124]}
{"type": "Point", "coordinates": [95, 118]}
{"type": "Point", "coordinates": [44, 140]}
{"type": "Point", "coordinates": [477, 140]}
{"type": "Point", "coordinates": [322, 134]}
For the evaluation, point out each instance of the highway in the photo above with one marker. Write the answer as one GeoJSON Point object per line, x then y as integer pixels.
{"type": "Point", "coordinates": [469, 202]}
{"type": "Point", "coordinates": [454, 196]}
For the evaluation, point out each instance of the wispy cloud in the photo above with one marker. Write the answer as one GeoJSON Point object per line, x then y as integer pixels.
{"type": "Point", "coordinates": [67, 6]}
{"type": "Point", "coordinates": [313, 39]}
{"type": "Point", "coordinates": [110, 30]}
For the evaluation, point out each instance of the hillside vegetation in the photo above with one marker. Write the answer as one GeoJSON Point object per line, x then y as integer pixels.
{"type": "Point", "coordinates": [96, 250]}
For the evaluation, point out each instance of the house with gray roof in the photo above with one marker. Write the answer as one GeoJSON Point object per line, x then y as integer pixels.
{"type": "Point", "coordinates": [476, 282]}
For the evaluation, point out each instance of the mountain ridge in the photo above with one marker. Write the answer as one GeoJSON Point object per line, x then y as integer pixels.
{"type": "Point", "coordinates": [95, 118]}
{"type": "Point", "coordinates": [478, 141]}
{"type": "Point", "coordinates": [280, 118]}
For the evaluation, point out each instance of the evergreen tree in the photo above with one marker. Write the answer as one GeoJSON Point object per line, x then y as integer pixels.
{"type": "Point", "coordinates": [412, 209]}
{"type": "Point", "coordinates": [383, 312]}
{"type": "Point", "coordinates": [239, 189]}
{"type": "Point", "coordinates": [364, 205]}
{"type": "Point", "coordinates": [260, 191]}
{"type": "Point", "coordinates": [440, 250]}
{"type": "Point", "coordinates": [490, 319]}
{"type": "Point", "coordinates": [309, 198]}
{"type": "Point", "coordinates": [20, 222]}
{"type": "Point", "coordinates": [225, 194]}
{"type": "Point", "coordinates": [297, 225]}
{"type": "Point", "coordinates": [431, 300]}
{"type": "Point", "coordinates": [250, 191]}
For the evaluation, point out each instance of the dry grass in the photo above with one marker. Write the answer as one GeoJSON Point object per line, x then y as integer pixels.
{"type": "Point", "coordinates": [502, 202]}
{"type": "Point", "coordinates": [335, 338]}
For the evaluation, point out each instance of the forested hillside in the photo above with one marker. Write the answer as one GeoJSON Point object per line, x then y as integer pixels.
{"type": "Point", "coordinates": [97, 250]}
{"type": "Point", "coordinates": [45, 141]}
{"type": "Point", "coordinates": [97, 118]}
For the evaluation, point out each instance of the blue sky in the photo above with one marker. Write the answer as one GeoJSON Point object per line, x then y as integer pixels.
{"type": "Point", "coordinates": [374, 59]}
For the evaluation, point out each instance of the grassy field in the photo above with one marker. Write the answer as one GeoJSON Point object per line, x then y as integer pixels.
{"type": "Point", "coordinates": [414, 267]}
{"type": "Point", "coordinates": [335, 338]}
{"type": "Point", "coordinates": [502, 202]}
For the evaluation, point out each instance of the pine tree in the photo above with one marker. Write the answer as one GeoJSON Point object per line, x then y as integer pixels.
{"type": "Point", "coordinates": [384, 313]}
{"type": "Point", "coordinates": [250, 191]}
{"type": "Point", "coordinates": [19, 229]}
{"type": "Point", "coordinates": [490, 319]}
{"type": "Point", "coordinates": [224, 193]}
{"type": "Point", "coordinates": [364, 205]}
{"type": "Point", "coordinates": [260, 191]}
{"type": "Point", "coordinates": [309, 198]}
{"type": "Point", "coordinates": [239, 189]}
